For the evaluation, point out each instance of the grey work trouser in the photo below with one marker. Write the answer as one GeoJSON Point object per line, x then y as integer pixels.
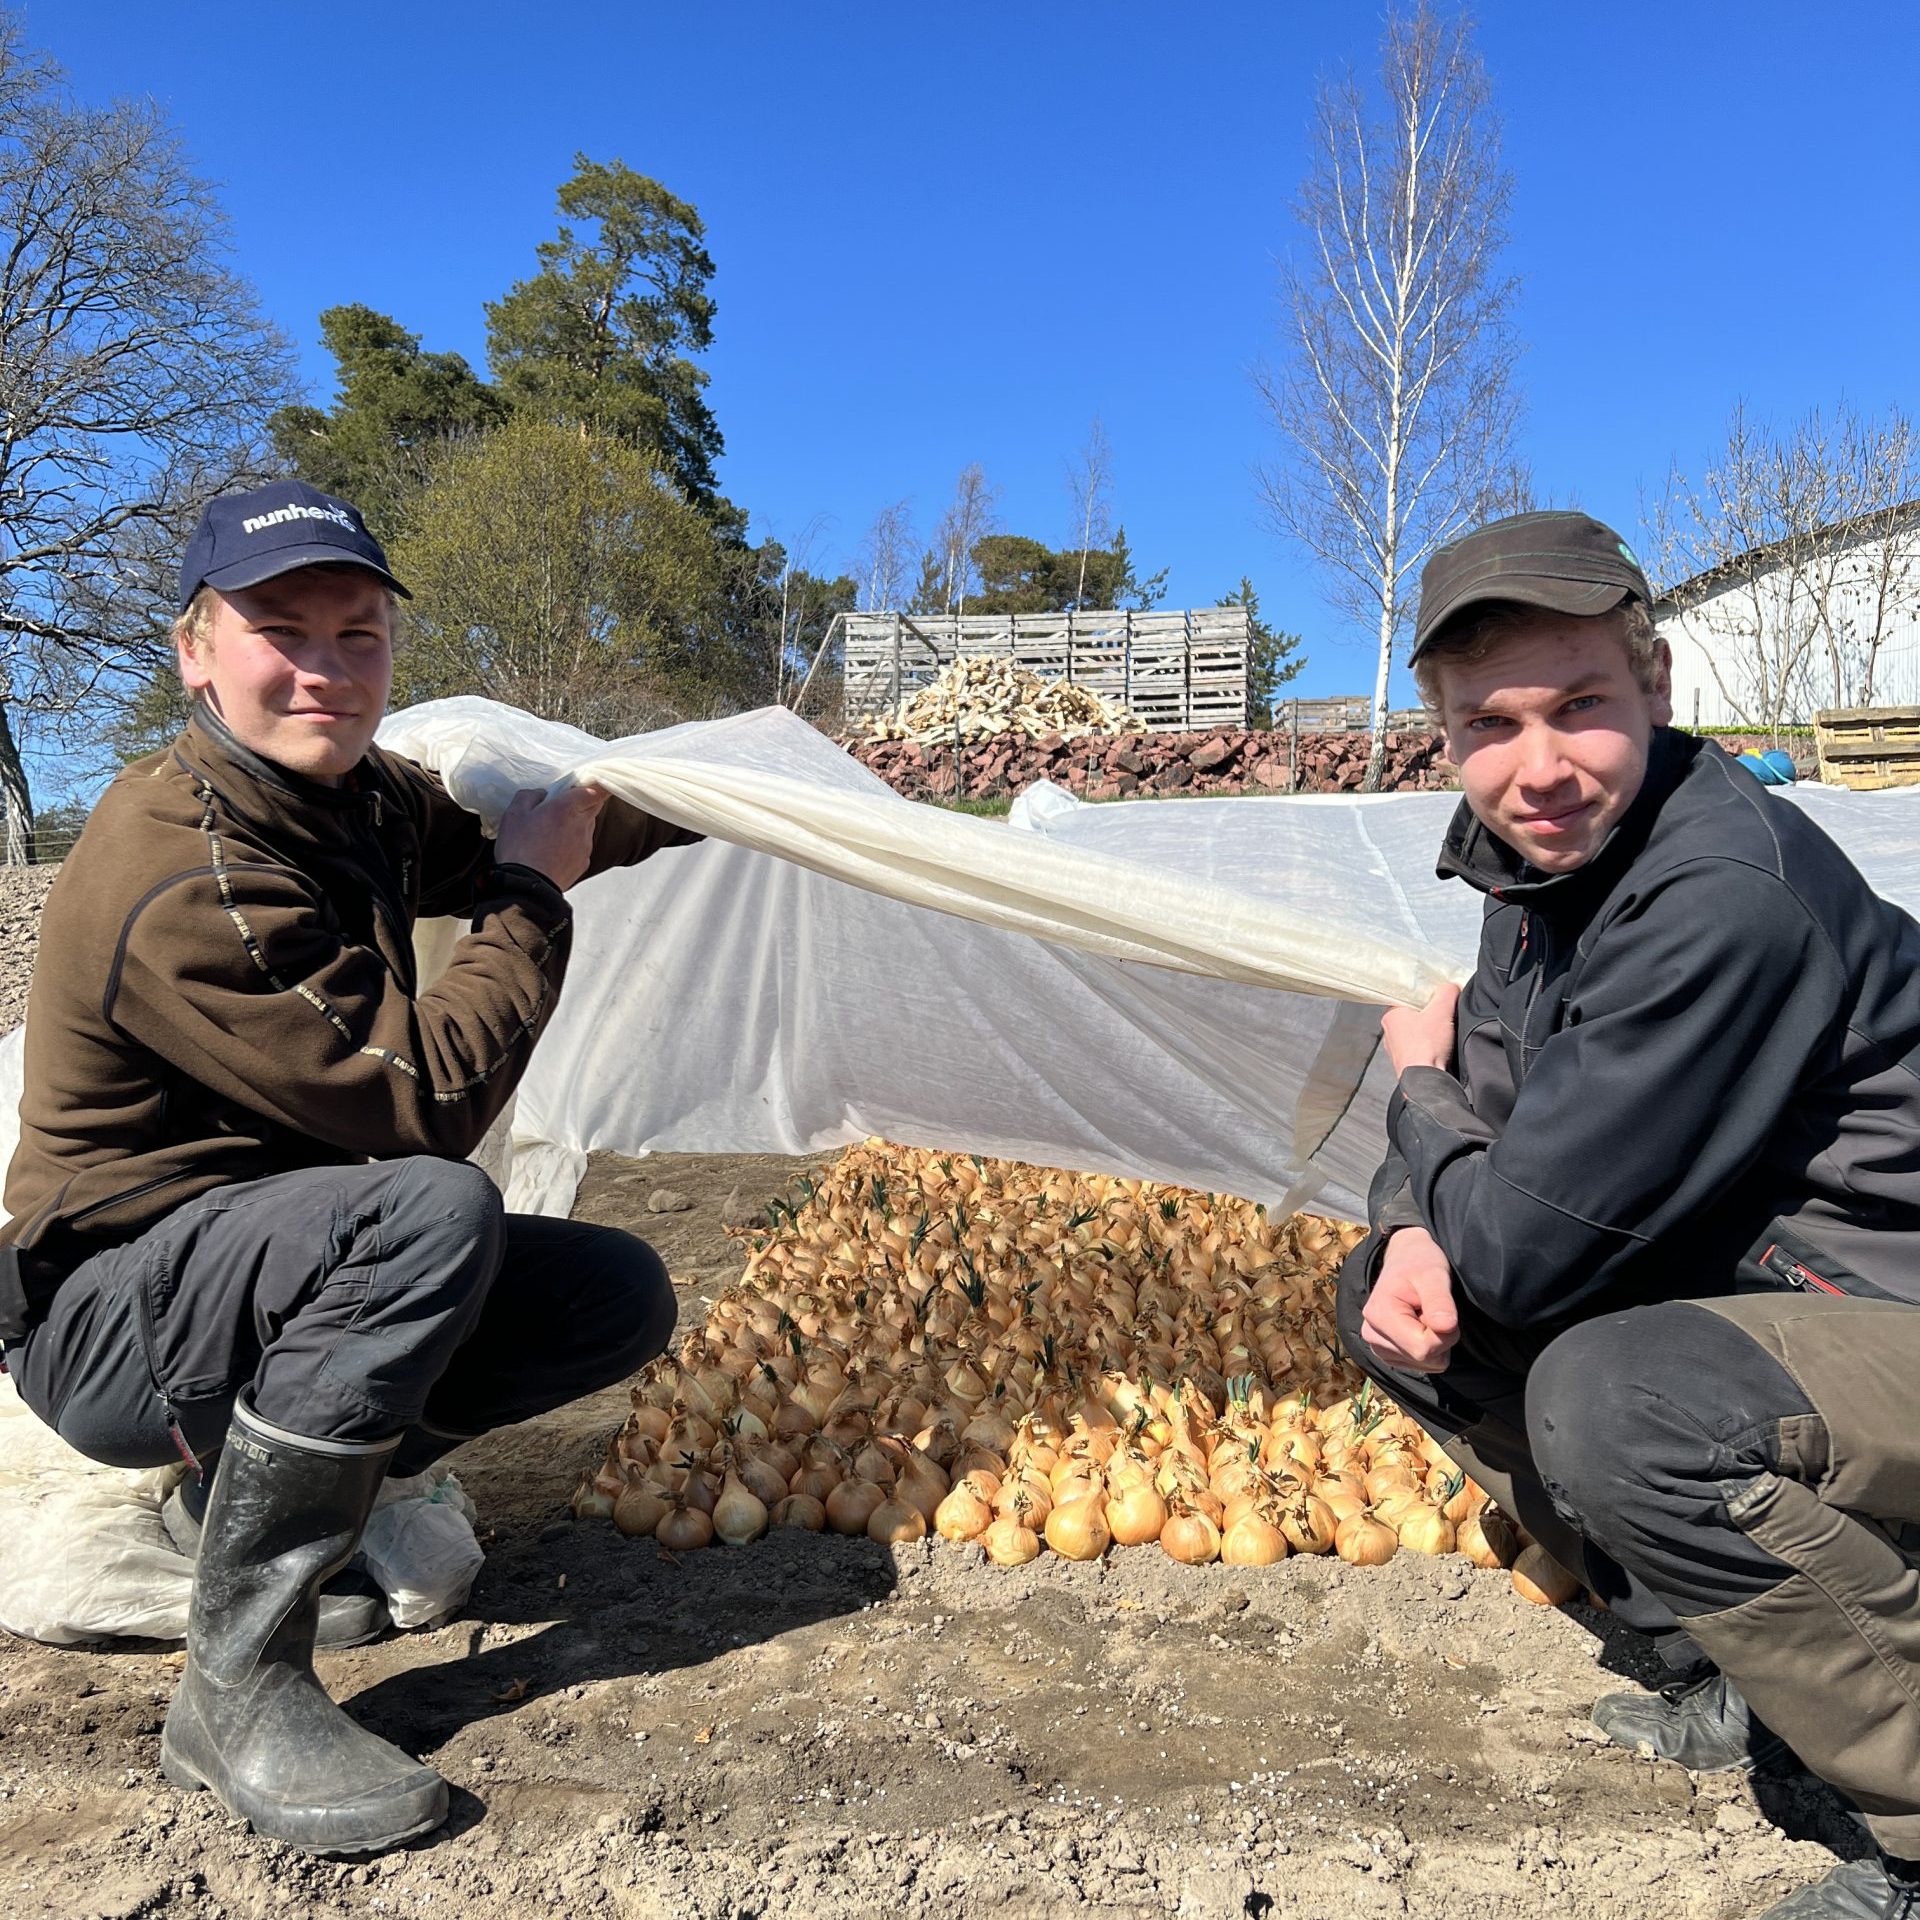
{"type": "Point", "coordinates": [1740, 1475]}
{"type": "Point", "coordinates": [349, 1303]}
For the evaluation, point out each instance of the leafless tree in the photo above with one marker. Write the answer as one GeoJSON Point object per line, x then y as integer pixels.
{"type": "Point", "coordinates": [1090, 483]}
{"type": "Point", "coordinates": [135, 379]}
{"type": "Point", "coordinates": [886, 559]}
{"type": "Point", "coordinates": [947, 570]}
{"type": "Point", "coordinates": [1397, 399]}
{"type": "Point", "coordinates": [1794, 559]}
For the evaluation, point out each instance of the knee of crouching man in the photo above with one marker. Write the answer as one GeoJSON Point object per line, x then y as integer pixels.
{"type": "Point", "coordinates": [460, 1201]}
{"type": "Point", "coordinates": [641, 1309]}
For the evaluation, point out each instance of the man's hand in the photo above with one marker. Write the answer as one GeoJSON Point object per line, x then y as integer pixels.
{"type": "Point", "coordinates": [1410, 1321]}
{"type": "Point", "coordinates": [1422, 1036]}
{"type": "Point", "coordinates": [551, 834]}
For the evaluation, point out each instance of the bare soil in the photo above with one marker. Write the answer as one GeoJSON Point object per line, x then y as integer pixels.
{"type": "Point", "coordinates": [812, 1728]}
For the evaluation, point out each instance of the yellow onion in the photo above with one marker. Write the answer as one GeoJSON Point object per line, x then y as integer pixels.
{"type": "Point", "coordinates": [1010, 1542]}
{"type": "Point", "coordinates": [850, 1505]}
{"type": "Point", "coordinates": [800, 1510]}
{"type": "Point", "coordinates": [1363, 1541]}
{"type": "Point", "coordinates": [739, 1514]}
{"type": "Point", "coordinates": [895, 1521]}
{"type": "Point", "coordinates": [1252, 1541]}
{"type": "Point", "coordinates": [1190, 1537]}
{"type": "Point", "coordinates": [1426, 1530]}
{"type": "Point", "coordinates": [1309, 1524]}
{"type": "Point", "coordinates": [1539, 1578]}
{"type": "Point", "coordinates": [1077, 1529]}
{"type": "Point", "coordinates": [1488, 1538]}
{"type": "Point", "coordinates": [962, 1515]}
{"type": "Point", "coordinates": [1136, 1514]}
{"type": "Point", "coordinates": [639, 1509]}
{"type": "Point", "coordinates": [682, 1529]}
{"type": "Point", "coordinates": [589, 1503]}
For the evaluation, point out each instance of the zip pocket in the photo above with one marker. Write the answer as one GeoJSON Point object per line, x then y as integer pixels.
{"type": "Point", "coordinates": [174, 1430]}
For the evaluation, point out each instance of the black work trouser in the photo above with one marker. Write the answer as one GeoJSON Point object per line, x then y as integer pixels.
{"type": "Point", "coordinates": [1736, 1475]}
{"type": "Point", "coordinates": [347, 1303]}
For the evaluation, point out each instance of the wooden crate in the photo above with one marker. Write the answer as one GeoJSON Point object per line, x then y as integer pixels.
{"type": "Point", "coordinates": [1868, 747]}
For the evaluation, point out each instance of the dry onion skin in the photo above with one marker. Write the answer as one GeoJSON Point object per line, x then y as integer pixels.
{"type": "Point", "coordinates": [1019, 1361]}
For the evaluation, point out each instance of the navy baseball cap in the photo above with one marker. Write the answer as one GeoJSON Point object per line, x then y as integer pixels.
{"type": "Point", "coordinates": [1564, 561]}
{"type": "Point", "coordinates": [244, 538]}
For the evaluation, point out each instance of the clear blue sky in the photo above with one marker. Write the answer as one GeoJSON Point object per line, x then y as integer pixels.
{"type": "Point", "coordinates": [957, 234]}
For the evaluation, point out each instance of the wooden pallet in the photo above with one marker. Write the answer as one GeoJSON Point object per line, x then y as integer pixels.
{"type": "Point", "coordinates": [1866, 748]}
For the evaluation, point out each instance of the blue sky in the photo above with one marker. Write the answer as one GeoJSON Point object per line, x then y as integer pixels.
{"type": "Point", "coordinates": [947, 235]}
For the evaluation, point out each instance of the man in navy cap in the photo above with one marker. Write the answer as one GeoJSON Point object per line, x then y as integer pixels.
{"type": "Point", "coordinates": [1646, 1246]}
{"type": "Point", "coordinates": [244, 1229]}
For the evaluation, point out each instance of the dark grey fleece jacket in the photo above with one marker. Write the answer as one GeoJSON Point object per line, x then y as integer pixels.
{"type": "Point", "coordinates": [1691, 1067]}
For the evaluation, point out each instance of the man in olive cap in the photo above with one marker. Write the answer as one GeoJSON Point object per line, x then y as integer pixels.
{"type": "Point", "coordinates": [244, 1230]}
{"type": "Point", "coordinates": [1645, 1250]}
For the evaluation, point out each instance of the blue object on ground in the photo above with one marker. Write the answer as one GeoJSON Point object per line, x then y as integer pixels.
{"type": "Point", "coordinates": [1774, 768]}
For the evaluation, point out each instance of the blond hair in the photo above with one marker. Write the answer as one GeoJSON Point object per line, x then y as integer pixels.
{"type": "Point", "coordinates": [1477, 632]}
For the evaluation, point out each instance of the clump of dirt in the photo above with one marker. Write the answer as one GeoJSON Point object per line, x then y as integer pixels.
{"type": "Point", "coordinates": [816, 1729]}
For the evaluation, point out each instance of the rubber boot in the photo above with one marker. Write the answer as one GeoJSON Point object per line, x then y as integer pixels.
{"type": "Point", "coordinates": [1877, 1888]}
{"type": "Point", "coordinates": [250, 1721]}
{"type": "Point", "coordinates": [352, 1608]}
{"type": "Point", "coordinates": [1697, 1720]}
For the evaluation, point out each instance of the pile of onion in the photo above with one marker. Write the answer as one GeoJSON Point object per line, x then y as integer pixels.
{"type": "Point", "coordinates": [1034, 1361]}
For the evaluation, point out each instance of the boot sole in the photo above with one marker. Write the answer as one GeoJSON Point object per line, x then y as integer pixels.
{"type": "Point", "coordinates": [187, 1780]}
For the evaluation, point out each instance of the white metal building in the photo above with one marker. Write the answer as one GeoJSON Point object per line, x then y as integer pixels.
{"type": "Point", "coordinates": [1787, 630]}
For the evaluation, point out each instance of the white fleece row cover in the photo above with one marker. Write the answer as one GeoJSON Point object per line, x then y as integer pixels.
{"type": "Point", "coordinates": [1184, 990]}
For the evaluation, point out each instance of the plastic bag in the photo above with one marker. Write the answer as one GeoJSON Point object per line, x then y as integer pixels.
{"type": "Point", "coordinates": [88, 1558]}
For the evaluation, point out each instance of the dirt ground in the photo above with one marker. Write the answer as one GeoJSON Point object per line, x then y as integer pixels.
{"type": "Point", "coordinates": [812, 1728]}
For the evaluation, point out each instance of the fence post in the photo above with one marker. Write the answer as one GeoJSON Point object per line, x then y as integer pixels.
{"type": "Point", "coordinates": [896, 666]}
{"type": "Point", "coordinates": [1293, 745]}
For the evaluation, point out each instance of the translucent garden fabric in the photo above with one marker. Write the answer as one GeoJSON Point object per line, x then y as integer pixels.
{"type": "Point", "coordinates": [1186, 990]}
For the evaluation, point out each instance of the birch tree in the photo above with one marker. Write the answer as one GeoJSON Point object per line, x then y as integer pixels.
{"type": "Point", "coordinates": [1396, 400]}
{"type": "Point", "coordinates": [1090, 484]}
{"type": "Point", "coordinates": [135, 381]}
{"type": "Point", "coordinates": [885, 561]}
{"type": "Point", "coordinates": [947, 570]}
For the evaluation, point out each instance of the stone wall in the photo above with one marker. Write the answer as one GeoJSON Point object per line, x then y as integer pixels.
{"type": "Point", "coordinates": [1110, 767]}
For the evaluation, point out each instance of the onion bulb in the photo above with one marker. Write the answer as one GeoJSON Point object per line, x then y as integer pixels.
{"type": "Point", "coordinates": [589, 1503]}
{"type": "Point", "coordinates": [1488, 1538]}
{"type": "Point", "coordinates": [1010, 1542]}
{"type": "Point", "coordinates": [800, 1510]}
{"type": "Point", "coordinates": [895, 1521]}
{"type": "Point", "coordinates": [639, 1510]}
{"type": "Point", "coordinates": [739, 1514]}
{"type": "Point", "coordinates": [962, 1515]}
{"type": "Point", "coordinates": [1077, 1529]}
{"type": "Point", "coordinates": [1363, 1541]}
{"type": "Point", "coordinates": [682, 1529]}
{"type": "Point", "coordinates": [1190, 1537]}
{"type": "Point", "coordinates": [1426, 1530]}
{"type": "Point", "coordinates": [1252, 1541]}
{"type": "Point", "coordinates": [1136, 1514]}
{"type": "Point", "coordinates": [850, 1505]}
{"type": "Point", "coordinates": [1309, 1524]}
{"type": "Point", "coordinates": [1540, 1578]}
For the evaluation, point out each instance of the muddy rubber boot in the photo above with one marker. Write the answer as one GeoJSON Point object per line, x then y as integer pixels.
{"type": "Point", "coordinates": [1877, 1888]}
{"type": "Point", "coordinates": [1697, 1720]}
{"type": "Point", "coordinates": [353, 1610]}
{"type": "Point", "coordinates": [250, 1721]}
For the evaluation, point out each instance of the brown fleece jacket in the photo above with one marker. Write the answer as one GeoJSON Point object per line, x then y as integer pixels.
{"type": "Point", "coordinates": [225, 988]}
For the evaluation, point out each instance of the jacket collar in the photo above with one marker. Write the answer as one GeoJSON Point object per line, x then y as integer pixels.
{"type": "Point", "coordinates": [270, 795]}
{"type": "Point", "coordinates": [1474, 853]}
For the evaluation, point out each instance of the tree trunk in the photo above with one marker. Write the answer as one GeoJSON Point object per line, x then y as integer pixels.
{"type": "Point", "coordinates": [17, 798]}
{"type": "Point", "coordinates": [1377, 751]}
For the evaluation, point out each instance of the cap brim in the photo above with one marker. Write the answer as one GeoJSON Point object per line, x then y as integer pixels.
{"type": "Point", "coordinates": [269, 566]}
{"type": "Point", "coordinates": [1582, 597]}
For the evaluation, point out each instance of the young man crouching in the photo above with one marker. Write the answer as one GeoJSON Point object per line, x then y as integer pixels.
{"type": "Point", "coordinates": [1645, 1250]}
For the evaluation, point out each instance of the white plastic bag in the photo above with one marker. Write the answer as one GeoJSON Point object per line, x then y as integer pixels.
{"type": "Point", "coordinates": [87, 1557]}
